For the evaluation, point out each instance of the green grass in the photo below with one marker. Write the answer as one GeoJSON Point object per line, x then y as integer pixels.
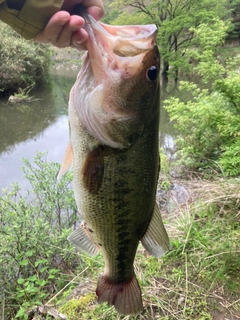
{"type": "Point", "coordinates": [198, 279]}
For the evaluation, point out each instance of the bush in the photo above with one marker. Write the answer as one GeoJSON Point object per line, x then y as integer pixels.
{"type": "Point", "coordinates": [22, 63]}
{"type": "Point", "coordinates": [35, 256]}
{"type": "Point", "coordinates": [209, 124]}
{"type": "Point", "coordinates": [209, 130]}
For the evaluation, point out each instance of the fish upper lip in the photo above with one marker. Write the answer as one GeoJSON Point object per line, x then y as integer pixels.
{"type": "Point", "coordinates": [105, 42]}
{"type": "Point", "coordinates": [89, 20]}
{"type": "Point", "coordinates": [147, 31]}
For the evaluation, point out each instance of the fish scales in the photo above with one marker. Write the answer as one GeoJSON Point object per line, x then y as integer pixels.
{"type": "Point", "coordinates": [114, 151]}
{"type": "Point", "coordinates": [97, 209]}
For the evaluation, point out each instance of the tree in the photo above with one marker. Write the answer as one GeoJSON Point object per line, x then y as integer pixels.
{"type": "Point", "coordinates": [174, 19]}
{"type": "Point", "coordinates": [234, 9]}
{"type": "Point", "coordinates": [209, 123]}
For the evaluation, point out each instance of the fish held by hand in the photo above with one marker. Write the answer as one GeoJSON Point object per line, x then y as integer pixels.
{"type": "Point", "coordinates": [114, 152]}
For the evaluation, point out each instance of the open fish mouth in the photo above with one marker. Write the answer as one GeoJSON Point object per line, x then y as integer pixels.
{"type": "Point", "coordinates": [117, 47]}
{"type": "Point", "coordinates": [120, 75]}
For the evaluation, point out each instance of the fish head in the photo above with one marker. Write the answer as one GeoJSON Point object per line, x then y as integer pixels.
{"type": "Point", "coordinates": [121, 81]}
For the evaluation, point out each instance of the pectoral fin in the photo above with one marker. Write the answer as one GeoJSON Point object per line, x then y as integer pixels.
{"type": "Point", "coordinates": [93, 170]}
{"type": "Point", "coordinates": [156, 240]}
{"type": "Point", "coordinates": [67, 162]}
{"type": "Point", "coordinates": [81, 239]}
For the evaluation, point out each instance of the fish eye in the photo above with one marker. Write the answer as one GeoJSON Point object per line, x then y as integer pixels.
{"type": "Point", "coordinates": [152, 73]}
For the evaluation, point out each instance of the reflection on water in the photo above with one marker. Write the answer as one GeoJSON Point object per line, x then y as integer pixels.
{"type": "Point", "coordinates": [37, 126]}
{"type": "Point", "coordinates": [43, 126]}
{"type": "Point", "coordinates": [167, 134]}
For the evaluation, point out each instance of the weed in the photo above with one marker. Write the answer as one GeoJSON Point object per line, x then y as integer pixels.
{"type": "Point", "coordinates": [199, 277]}
{"type": "Point", "coordinates": [33, 232]}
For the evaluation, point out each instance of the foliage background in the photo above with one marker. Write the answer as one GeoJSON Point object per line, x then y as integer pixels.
{"type": "Point", "coordinates": [23, 63]}
{"type": "Point", "coordinates": [33, 233]}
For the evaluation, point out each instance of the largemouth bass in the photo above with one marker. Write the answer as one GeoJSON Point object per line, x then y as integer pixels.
{"type": "Point", "coordinates": [114, 151]}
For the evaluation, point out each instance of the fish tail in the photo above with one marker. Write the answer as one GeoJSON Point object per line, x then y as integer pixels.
{"type": "Point", "coordinates": [126, 297]}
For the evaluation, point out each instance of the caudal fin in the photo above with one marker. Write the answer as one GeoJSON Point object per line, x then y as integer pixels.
{"type": "Point", "coordinates": [126, 297]}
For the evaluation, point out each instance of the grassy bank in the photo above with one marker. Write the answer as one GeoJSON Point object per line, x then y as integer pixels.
{"type": "Point", "coordinates": [198, 279]}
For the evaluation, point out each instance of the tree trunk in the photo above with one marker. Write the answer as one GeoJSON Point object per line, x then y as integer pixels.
{"type": "Point", "coordinates": [165, 74]}
{"type": "Point", "coordinates": [165, 68]}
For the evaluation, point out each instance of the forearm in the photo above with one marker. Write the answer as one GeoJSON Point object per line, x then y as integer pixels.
{"type": "Point", "coordinates": [28, 17]}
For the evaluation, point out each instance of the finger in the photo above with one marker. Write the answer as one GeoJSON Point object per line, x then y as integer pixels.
{"type": "Point", "coordinates": [78, 39]}
{"type": "Point", "coordinates": [96, 12]}
{"type": "Point", "coordinates": [54, 27]}
{"type": "Point", "coordinates": [73, 25]}
{"type": "Point", "coordinates": [94, 7]}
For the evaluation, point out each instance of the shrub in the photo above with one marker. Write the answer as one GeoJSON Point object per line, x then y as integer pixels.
{"type": "Point", "coordinates": [35, 256]}
{"type": "Point", "coordinates": [22, 63]}
{"type": "Point", "coordinates": [209, 124]}
{"type": "Point", "coordinates": [209, 130]}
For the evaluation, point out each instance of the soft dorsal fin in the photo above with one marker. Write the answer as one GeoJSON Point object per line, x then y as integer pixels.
{"type": "Point", "coordinates": [156, 240]}
{"type": "Point", "coordinates": [67, 162]}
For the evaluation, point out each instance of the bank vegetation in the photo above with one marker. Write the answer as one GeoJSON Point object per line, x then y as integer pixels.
{"type": "Point", "coordinates": [23, 64]}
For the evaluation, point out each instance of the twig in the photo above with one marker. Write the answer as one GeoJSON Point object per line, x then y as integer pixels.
{"type": "Point", "coordinates": [219, 254]}
{"type": "Point", "coordinates": [56, 295]}
{"type": "Point", "coordinates": [186, 286]}
{"type": "Point", "coordinates": [230, 305]}
{"type": "Point", "coordinates": [3, 306]}
{"type": "Point", "coordinates": [187, 237]}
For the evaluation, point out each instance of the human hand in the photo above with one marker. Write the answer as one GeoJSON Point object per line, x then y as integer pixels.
{"type": "Point", "coordinates": [64, 30]}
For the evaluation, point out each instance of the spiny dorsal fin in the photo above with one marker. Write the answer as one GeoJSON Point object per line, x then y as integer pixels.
{"type": "Point", "coordinates": [82, 240]}
{"type": "Point", "coordinates": [67, 162]}
{"type": "Point", "coordinates": [156, 240]}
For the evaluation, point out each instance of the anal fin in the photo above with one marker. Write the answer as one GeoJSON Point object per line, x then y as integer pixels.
{"type": "Point", "coordinates": [156, 240]}
{"type": "Point", "coordinates": [81, 239]}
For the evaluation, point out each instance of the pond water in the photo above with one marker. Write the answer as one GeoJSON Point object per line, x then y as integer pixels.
{"type": "Point", "coordinates": [43, 126]}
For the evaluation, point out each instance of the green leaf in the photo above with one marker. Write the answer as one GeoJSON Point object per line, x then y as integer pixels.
{"type": "Point", "coordinates": [21, 294]}
{"type": "Point", "coordinates": [41, 282]}
{"type": "Point", "coordinates": [40, 261]}
{"type": "Point", "coordinates": [43, 269]}
{"type": "Point", "coordinates": [31, 289]}
{"type": "Point", "coordinates": [23, 262]}
{"type": "Point", "coordinates": [21, 313]}
{"type": "Point", "coordinates": [53, 271]}
{"type": "Point", "coordinates": [32, 278]}
{"type": "Point", "coordinates": [29, 253]}
{"type": "Point", "coordinates": [20, 281]}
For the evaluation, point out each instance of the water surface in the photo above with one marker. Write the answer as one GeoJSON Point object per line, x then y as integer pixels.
{"type": "Point", "coordinates": [43, 126]}
{"type": "Point", "coordinates": [37, 126]}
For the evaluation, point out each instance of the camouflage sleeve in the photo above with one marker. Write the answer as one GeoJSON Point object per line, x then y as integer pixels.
{"type": "Point", "coordinates": [28, 17]}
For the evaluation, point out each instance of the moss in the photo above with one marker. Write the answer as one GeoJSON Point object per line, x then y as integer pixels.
{"type": "Point", "coordinates": [77, 307]}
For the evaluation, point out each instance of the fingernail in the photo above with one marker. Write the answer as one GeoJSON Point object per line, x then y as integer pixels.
{"type": "Point", "coordinates": [76, 28]}
{"type": "Point", "coordinates": [63, 22]}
